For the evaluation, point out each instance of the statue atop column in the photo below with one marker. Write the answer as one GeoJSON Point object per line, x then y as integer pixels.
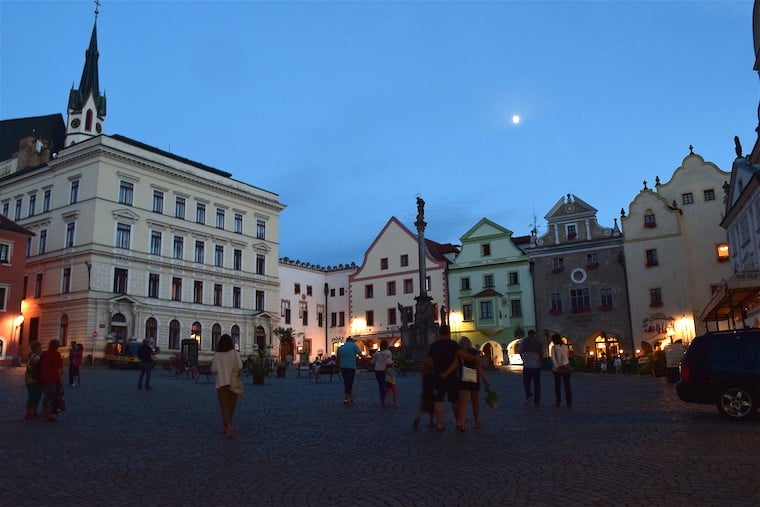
{"type": "Point", "coordinates": [420, 209]}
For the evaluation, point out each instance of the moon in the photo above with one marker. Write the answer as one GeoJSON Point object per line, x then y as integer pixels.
{"type": "Point", "coordinates": [515, 119]}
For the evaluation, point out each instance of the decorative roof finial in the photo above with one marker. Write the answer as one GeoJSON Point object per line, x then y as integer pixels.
{"type": "Point", "coordinates": [645, 185]}
{"type": "Point", "coordinates": [738, 145]}
{"type": "Point", "coordinates": [97, 9]}
{"type": "Point", "coordinates": [656, 181]}
{"type": "Point", "coordinates": [691, 150]}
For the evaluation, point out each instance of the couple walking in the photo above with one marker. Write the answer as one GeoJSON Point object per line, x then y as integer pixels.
{"type": "Point", "coordinates": [456, 376]}
{"type": "Point", "coordinates": [531, 350]}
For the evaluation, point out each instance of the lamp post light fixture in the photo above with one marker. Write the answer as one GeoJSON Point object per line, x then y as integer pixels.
{"type": "Point", "coordinates": [15, 339]}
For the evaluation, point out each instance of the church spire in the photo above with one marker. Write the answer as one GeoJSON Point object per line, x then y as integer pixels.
{"type": "Point", "coordinates": [87, 107]}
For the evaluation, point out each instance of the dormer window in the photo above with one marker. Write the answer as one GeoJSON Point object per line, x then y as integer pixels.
{"type": "Point", "coordinates": [649, 220]}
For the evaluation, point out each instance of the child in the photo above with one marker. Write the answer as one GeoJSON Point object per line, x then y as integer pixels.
{"type": "Point", "coordinates": [390, 383]}
{"type": "Point", "coordinates": [426, 401]}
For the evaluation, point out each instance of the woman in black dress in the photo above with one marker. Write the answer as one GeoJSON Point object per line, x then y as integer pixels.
{"type": "Point", "coordinates": [470, 375]}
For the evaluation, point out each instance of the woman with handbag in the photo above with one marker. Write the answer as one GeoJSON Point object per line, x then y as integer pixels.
{"type": "Point", "coordinates": [561, 369]}
{"type": "Point", "coordinates": [227, 365]}
{"type": "Point", "coordinates": [470, 375]}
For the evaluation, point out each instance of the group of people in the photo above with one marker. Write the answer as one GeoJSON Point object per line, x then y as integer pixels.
{"type": "Point", "coordinates": [532, 351]}
{"type": "Point", "coordinates": [452, 371]}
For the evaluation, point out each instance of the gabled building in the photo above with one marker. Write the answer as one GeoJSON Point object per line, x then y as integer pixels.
{"type": "Point", "coordinates": [314, 303]}
{"type": "Point", "coordinates": [388, 279]}
{"type": "Point", "coordinates": [133, 242]}
{"type": "Point", "coordinates": [736, 300]}
{"type": "Point", "coordinates": [13, 239]}
{"type": "Point", "coordinates": [580, 282]}
{"type": "Point", "coordinates": [676, 253]}
{"type": "Point", "coordinates": [491, 291]}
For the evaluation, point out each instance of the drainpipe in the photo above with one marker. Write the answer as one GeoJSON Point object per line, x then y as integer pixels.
{"type": "Point", "coordinates": [327, 313]}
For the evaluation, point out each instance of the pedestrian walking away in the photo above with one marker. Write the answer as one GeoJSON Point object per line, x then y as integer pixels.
{"type": "Point", "coordinates": [145, 354]}
{"type": "Point", "coordinates": [561, 369]}
{"type": "Point", "coordinates": [72, 370]}
{"type": "Point", "coordinates": [32, 380]}
{"type": "Point", "coordinates": [470, 375]}
{"type": "Point", "coordinates": [347, 363]}
{"type": "Point", "coordinates": [531, 350]}
{"type": "Point", "coordinates": [426, 398]}
{"type": "Point", "coordinates": [380, 362]}
{"type": "Point", "coordinates": [390, 384]}
{"type": "Point", "coordinates": [227, 366]}
{"type": "Point", "coordinates": [51, 376]}
{"type": "Point", "coordinates": [75, 363]}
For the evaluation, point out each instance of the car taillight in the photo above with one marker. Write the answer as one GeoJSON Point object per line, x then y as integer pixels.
{"type": "Point", "coordinates": [685, 372]}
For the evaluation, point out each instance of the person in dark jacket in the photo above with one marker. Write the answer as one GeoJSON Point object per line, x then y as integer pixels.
{"type": "Point", "coordinates": [145, 354]}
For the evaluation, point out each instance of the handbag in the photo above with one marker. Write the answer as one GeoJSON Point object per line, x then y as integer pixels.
{"type": "Point", "coordinates": [565, 368]}
{"type": "Point", "coordinates": [469, 374]}
{"type": "Point", "coordinates": [236, 385]}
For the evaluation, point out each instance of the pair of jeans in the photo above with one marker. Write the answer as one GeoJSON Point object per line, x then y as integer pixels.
{"type": "Point", "coordinates": [348, 375]}
{"type": "Point", "coordinates": [565, 378]}
{"type": "Point", "coordinates": [380, 377]}
{"type": "Point", "coordinates": [145, 370]}
{"type": "Point", "coordinates": [532, 375]}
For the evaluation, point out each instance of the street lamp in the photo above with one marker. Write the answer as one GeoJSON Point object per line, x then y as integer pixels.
{"type": "Point", "coordinates": [16, 324]}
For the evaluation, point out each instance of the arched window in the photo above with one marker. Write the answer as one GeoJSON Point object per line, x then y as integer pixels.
{"type": "Point", "coordinates": [195, 333]}
{"type": "Point", "coordinates": [119, 327]}
{"type": "Point", "coordinates": [261, 339]}
{"type": "Point", "coordinates": [88, 121]}
{"type": "Point", "coordinates": [216, 333]}
{"type": "Point", "coordinates": [235, 334]}
{"type": "Point", "coordinates": [151, 330]}
{"type": "Point", "coordinates": [174, 334]}
{"type": "Point", "coordinates": [63, 332]}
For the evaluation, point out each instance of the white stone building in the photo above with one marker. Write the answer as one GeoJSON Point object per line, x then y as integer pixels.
{"type": "Point", "coordinates": [491, 291]}
{"type": "Point", "coordinates": [133, 242]}
{"type": "Point", "coordinates": [314, 304]}
{"type": "Point", "coordinates": [676, 252]}
{"type": "Point", "coordinates": [389, 277]}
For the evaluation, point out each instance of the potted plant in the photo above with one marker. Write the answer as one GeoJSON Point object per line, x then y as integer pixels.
{"type": "Point", "coordinates": [258, 367]}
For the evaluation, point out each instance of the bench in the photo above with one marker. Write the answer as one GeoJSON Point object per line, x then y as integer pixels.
{"type": "Point", "coordinates": [323, 369]}
{"type": "Point", "coordinates": [203, 369]}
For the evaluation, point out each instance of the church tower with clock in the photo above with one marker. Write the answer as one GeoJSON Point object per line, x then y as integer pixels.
{"type": "Point", "coordinates": [87, 107]}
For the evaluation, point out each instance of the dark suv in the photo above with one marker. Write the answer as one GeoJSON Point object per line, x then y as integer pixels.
{"type": "Point", "coordinates": [723, 368]}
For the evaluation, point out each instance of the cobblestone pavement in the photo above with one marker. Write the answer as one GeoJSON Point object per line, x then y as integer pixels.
{"type": "Point", "coordinates": [627, 440]}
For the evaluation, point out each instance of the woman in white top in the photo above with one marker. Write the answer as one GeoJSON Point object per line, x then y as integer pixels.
{"type": "Point", "coordinates": [381, 360]}
{"type": "Point", "coordinates": [561, 369]}
{"type": "Point", "coordinates": [225, 364]}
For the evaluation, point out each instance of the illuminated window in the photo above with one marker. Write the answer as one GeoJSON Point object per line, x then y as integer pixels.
{"type": "Point", "coordinates": [723, 252]}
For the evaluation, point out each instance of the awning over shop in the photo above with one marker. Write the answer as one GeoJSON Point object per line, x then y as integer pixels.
{"type": "Point", "coordinates": [733, 298]}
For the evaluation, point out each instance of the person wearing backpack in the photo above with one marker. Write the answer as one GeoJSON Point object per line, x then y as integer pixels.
{"type": "Point", "coordinates": [32, 379]}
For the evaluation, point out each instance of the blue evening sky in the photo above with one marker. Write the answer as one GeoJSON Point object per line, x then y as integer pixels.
{"type": "Point", "coordinates": [348, 110]}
